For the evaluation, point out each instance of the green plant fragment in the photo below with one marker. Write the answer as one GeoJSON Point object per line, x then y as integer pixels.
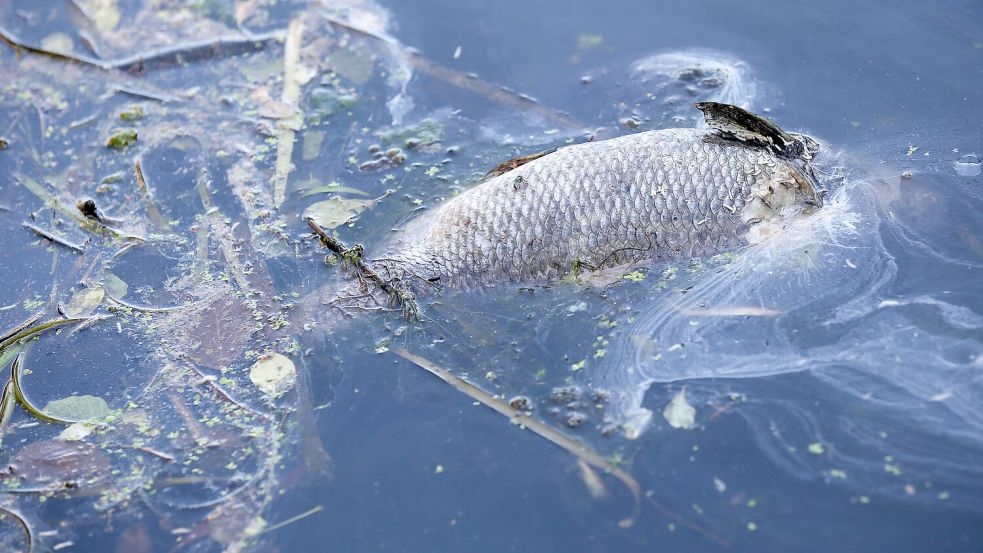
{"type": "Point", "coordinates": [122, 139]}
{"type": "Point", "coordinates": [77, 408]}
{"type": "Point", "coordinates": [85, 301]}
{"type": "Point", "coordinates": [132, 114]}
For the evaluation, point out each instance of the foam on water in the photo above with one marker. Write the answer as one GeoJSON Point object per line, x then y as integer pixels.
{"type": "Point", "coordinates": [911, 364]}
{"type": "Point", "coordinates": [728, 78]}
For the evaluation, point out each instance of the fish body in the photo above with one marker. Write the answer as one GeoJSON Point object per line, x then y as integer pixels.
{"type": "Point", "coordinates": [657, 194]}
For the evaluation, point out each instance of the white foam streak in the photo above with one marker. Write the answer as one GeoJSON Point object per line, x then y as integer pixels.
{"type": "Point", "coordinates": [827, 275]}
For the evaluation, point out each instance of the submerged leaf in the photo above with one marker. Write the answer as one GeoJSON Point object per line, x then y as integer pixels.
{"type": "Point", "coordinates": [679, 413]}
{"type": "Point", "coordinates": [422, 134]}
{"type": "Point", "coordinates": [84, 302]}
{"type": "Point", "coordinates": [274, 374]}
{"type": "Point", "coordinates": [354, 66]}
{"type": "Point", "coordinates": [312, 144]}
{"type": "Point", "coordinates": [115, 286]}
{"type": "Point", "coordinates": [75, 432]}
{"type": "Point", "coordinates": [595, 486]}
{"type": "Point", "coordinates": [261, 70]}
{"type": "Point", "coordinates": [336, 211]}
{"type": "Point", "coordinates": [77, 408]}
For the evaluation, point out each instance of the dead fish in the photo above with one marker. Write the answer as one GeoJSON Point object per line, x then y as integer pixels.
{"type": "Point", "coordinates": [657, 194]}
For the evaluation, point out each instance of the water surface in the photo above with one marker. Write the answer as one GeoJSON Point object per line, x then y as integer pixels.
{"type": "Point", "coordinates": [836, 374]}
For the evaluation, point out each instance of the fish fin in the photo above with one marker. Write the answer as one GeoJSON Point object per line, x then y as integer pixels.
{"type": "Point", "coordinates": [745, 126]}
{"type": "Point", "coordinates": [513, 163]}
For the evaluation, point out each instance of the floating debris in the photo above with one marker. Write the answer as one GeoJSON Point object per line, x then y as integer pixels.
{"type": "Point", "coordinates": [78, 408]}
{"type": "Point", "coordinates": [121, 140]}
{"type": "Point", "coordinates": [274, 374]}
{"type": "Point", "coordinates": [679, 413]}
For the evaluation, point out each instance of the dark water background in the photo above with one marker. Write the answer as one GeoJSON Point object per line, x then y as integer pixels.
{"type": "Point", "coordinates": [865, 435]}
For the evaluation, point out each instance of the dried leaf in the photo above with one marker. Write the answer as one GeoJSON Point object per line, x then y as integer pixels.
{"type": "Point", "coordinates": [274, 374]}
{"type": "Point", "coordinates": [218, 334]}
{"type": "Point", "coordinates": [679, 413]}
{"type": "Point", "coordinates": [595, 486]}
{"type": "Point", "coordinates": [75, 432]}
{"type": "Point", "coordinates": [84, 302]}
{"type": "Point", "coordinates": [336, 211]}
{"type": "Point", "coordinates": [312, 144]}
{"type": "Point", "coordinates": [354, 66]}
{"type": "Point", "coordinates": [114, 286]}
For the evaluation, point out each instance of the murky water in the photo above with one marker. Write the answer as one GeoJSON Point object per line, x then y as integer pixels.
{"type": "Point", "coordinates": [835, 374]}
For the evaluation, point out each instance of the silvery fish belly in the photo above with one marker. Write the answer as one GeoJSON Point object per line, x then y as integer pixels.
{"type": "Point", "coordinates": [666, 193]}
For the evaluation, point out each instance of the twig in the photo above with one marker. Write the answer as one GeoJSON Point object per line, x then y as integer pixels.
{"type": "Point", "coordinates": [148, 201]}
{"type": "Point", "coordinates": [466, 82]}
{"type": "Point", "coordinates": [225, 395]}
{"type": "Point", "coordinates": [193, 51]}
{"type": "Point", "coordinates": [52, 238]}
{"type": "Point", "coordinates": [146, 309]}
{"type": "Point", "coordinates": [225, 238]}
{"type": "Point", "coordinates": [89, 42]}
{"type": "Point", "coordinates": [82, 122]}
{"type": "Point", "coordinates": [293, 519]}
{"type": "Point", "coordinates": [397, 294]}
{"type": "Point", "coordinates": [141, 93]}
{"type": "Point", "coordinates": [190, 421]}
{"type": "Point", "coordinates": [18, 44]}
{"type": "Point", "coordinates": [88, 322]}
{"type": "Point", "coordinates": [496, 94]}
{"type": "Point", "coordinates": [17, 330]}
{"type": "Point", "coordinates": [286, 128]}
{"type": "Point", "coordinates": [49, 199]}
{"type": "Point", "coordinates": [12, 337]}
{"type": "Point", "coordinates": [142, 62]}
{"type": "Point", "coordinates": [579, 449]}
{"type": "Point", "coordinates": [172, 55]}
{"type": "Point", "coordinates": [148, 450]}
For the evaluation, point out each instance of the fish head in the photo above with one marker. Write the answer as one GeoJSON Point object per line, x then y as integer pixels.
{"type": "Point", "coordinates": [806, 150]}
{"type": "Point", "coordinates": [790, 189]}
{"type": "Point", "coordinates": [805, 146]}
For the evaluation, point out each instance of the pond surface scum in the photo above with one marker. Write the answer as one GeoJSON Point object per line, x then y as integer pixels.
{"type": "Point", "coordinates": [183, 375]}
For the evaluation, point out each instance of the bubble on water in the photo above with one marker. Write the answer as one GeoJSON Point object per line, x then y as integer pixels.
{"type": "Point", "coordinates": [968, 166]}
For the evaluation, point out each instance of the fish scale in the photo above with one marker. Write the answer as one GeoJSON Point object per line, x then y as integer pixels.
{"type": "Point", "coordinates": [658, 194]}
